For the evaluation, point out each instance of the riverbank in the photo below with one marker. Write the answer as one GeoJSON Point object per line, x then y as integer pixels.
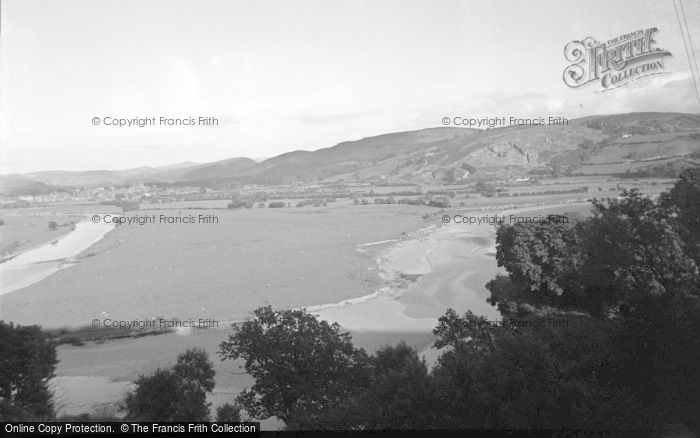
{"type": "Point", "coordinates": [420, 275]}
{"type": "Point", "coordinates": [433, 269]}
{"type": "Point", "coordinates": [39, 263]}
{"type": "Point", "coordinates": [448, 266]}
{"type": "Point", "coordinates": [20, 233]}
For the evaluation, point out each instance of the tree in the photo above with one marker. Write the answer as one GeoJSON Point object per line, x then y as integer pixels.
{"type": "Point", "coordinates": [497, 375]}
{"type": "Point", "coordinates": [238, 201]}
{"type": "Point", "coordinates": [302, 367]}
{"type": "Point", "coordinates": [153, 398]}
{"type": "Point", "coordinates": [631, 273]}
{"type": "Point", "coordinates": [632, 251]}
{"type": "Point", "coordinates": [684, 201]}
{"type": "Point", "coordinates": [540, 257]}
{"type": "Point", "coordinates": [175, 394]}
{"type": "Point", "coordinates": [52, 226]}
{"type": "Point", "coordinates": [630, 248]}
{"type": "Point", "coordinates": [27, 362]}
{"type": "Point", "coordinates": [485, 189]}
{"type": "Point", "coordinates": [228, 413]}
{"type": "Point", "coordinates": [195, 374]}
{"type": "Point", "coordinates": [440, 202]}
{"type": "Point", "coordinates": [260, 197]}
{"type": "Point", "coordinates": [398, 395]}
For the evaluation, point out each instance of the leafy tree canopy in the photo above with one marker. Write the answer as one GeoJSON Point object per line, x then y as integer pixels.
{"type": "Point", "coordinates": [302, 366]}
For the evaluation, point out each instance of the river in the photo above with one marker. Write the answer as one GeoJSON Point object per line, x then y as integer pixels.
{"type": "Point", "coordinates": [37, 264]}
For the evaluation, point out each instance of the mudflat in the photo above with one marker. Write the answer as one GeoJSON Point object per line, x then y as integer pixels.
{"type": "Point", "coordinates": [222, 271]}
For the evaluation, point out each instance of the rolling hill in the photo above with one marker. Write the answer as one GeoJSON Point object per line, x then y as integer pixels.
{"type": "Point", "coordinates": [209, 171]}
{"type": "Point", "coordinates": [18, 185]}
{"type": "Point", "coordinates": [91, 177]}
{"type": "Point", "coordinates": [597, 144]}
{"type": "Point", "coordinates": [450, 154]}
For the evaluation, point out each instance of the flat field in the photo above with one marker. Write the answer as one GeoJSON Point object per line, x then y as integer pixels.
{"type": "Point", "coordinates": [28, 229]}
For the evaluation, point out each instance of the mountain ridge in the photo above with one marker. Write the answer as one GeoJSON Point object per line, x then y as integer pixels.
{"type": "Point", "coordinates": [438, 154]}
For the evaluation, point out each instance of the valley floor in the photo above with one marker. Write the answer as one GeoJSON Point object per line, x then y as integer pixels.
{"type": "Point", "coordinates": [418, 274]}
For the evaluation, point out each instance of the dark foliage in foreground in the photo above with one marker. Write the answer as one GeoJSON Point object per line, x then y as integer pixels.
{"type": "Point", "coordinates": [175, 394]}
{"type": "Point", "coordinates": [601, 330]}
{"type": "Point", "coordinates": [627, 281]}
{"type": "Point", "coordinates": [27, 362]}
{"type": "Point", "coordinates": [302, 367]}
{"type": "Point", "coordinates": [228, 413]}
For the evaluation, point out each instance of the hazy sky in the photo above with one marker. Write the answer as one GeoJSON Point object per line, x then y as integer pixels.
{"type": "Point", "coordinates": [287, 75]}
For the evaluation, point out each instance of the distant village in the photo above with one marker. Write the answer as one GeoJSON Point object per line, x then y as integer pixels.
{"type": "Point", "coordinates": [138, 192]}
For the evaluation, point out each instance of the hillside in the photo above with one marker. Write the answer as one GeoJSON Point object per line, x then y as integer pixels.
{"type": "Point", "coordinates": [210, 171]}
{"type": "Point", "coordinates": [636, 144]}
{"type": "Point", "coordinates": [92, 177]}
{"type": "Point", "coordinates": [171, 173]}
{"type": "Point", "coordinates": [18, 185]}
{"type": "Point", "coordinates": [352, 156]}
{"type": "Point", "coordinates": [176, 166]}
{"type": "Point", "coordinates": [620, 142]}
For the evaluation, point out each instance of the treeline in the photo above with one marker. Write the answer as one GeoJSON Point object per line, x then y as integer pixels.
{"type": "Point", "coordinates": [260, 199]}
{"type": "Point", "coordinates": [438, 202]}
{"type": "Point", "coordinates": [427, 200]}
{"type": "Point", "coordinates": [583, 189]}
{"type": "Point", "coordinates": [617, 126]}
{"type": "Point", "coordinates": [669, 170]}
{"type": "Point", "coordinates": [124, 204]}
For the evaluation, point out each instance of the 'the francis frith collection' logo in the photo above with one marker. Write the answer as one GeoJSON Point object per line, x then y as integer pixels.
{"type": "Point", "coordinates": [616, 62]}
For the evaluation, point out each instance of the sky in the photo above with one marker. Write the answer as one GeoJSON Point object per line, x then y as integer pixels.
{"type": "Point", "coordinates": [282, 76]}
